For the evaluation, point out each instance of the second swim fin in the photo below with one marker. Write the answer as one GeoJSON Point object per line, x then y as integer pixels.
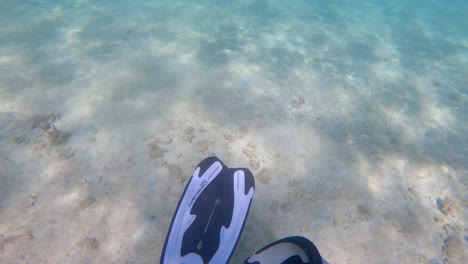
{"type": "Point", "coordinates": [289, 250]}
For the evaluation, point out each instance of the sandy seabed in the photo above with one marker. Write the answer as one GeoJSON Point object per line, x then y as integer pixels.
{"type": "Point", "coordinates": [102, 124]}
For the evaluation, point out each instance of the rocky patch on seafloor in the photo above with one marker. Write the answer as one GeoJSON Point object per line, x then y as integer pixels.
{"type": "Point", "coordinates": [56, 137]}
{"type": "Point", "coordinates": [40, 128]}
{"type": "Point", "coordinates": [43, 122]}
{"type": "Point", "coordinates": [186, 140]}
{"type": "Point", "coordinates": [455, 250]}
{"type": "Point", "coordinates": [157, 148]}
{"type": "Point", "coordinates": [89, 244]}
{"type": "Point", "coordinates": [263, 176]}
{"type": "Point", "coordinates": [190, 142]}
{"type": "Point", "coordinates": [448, 207]}
{"type": "Point", "coordinates": [297, 103]}
{"type": "Point", "coordinates": [454, 247]}
{"type": "Point", "coordinates": [16, 236]}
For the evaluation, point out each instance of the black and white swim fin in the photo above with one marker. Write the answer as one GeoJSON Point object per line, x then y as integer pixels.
{"type": "Point", "coordinates": [210, 216]}
{"type": "Point", "coordinates": [289, 250]}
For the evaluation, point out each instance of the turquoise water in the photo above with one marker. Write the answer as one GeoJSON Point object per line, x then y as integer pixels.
{"type": "Point", "coordinates": [353, 116]}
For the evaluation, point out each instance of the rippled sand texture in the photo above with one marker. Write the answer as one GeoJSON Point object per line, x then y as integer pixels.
{"type": "Point", "coordinates": [352, 115]}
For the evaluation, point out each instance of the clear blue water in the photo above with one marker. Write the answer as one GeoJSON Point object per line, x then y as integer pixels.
{"type": "Point", "coordinates": [371, 82]}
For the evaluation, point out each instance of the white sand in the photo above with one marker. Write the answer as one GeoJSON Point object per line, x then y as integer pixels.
{"type": "Point", "coordinates": [101, 127]}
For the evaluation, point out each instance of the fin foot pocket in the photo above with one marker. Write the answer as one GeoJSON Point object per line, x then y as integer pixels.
{"type": "Point", "coordinates": [289, 250]}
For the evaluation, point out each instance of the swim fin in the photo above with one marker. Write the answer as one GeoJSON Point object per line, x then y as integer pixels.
{"type": "Point", "coordinates": [210, 216]}
{"type": "Point", "coordinates": [289, 250]}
